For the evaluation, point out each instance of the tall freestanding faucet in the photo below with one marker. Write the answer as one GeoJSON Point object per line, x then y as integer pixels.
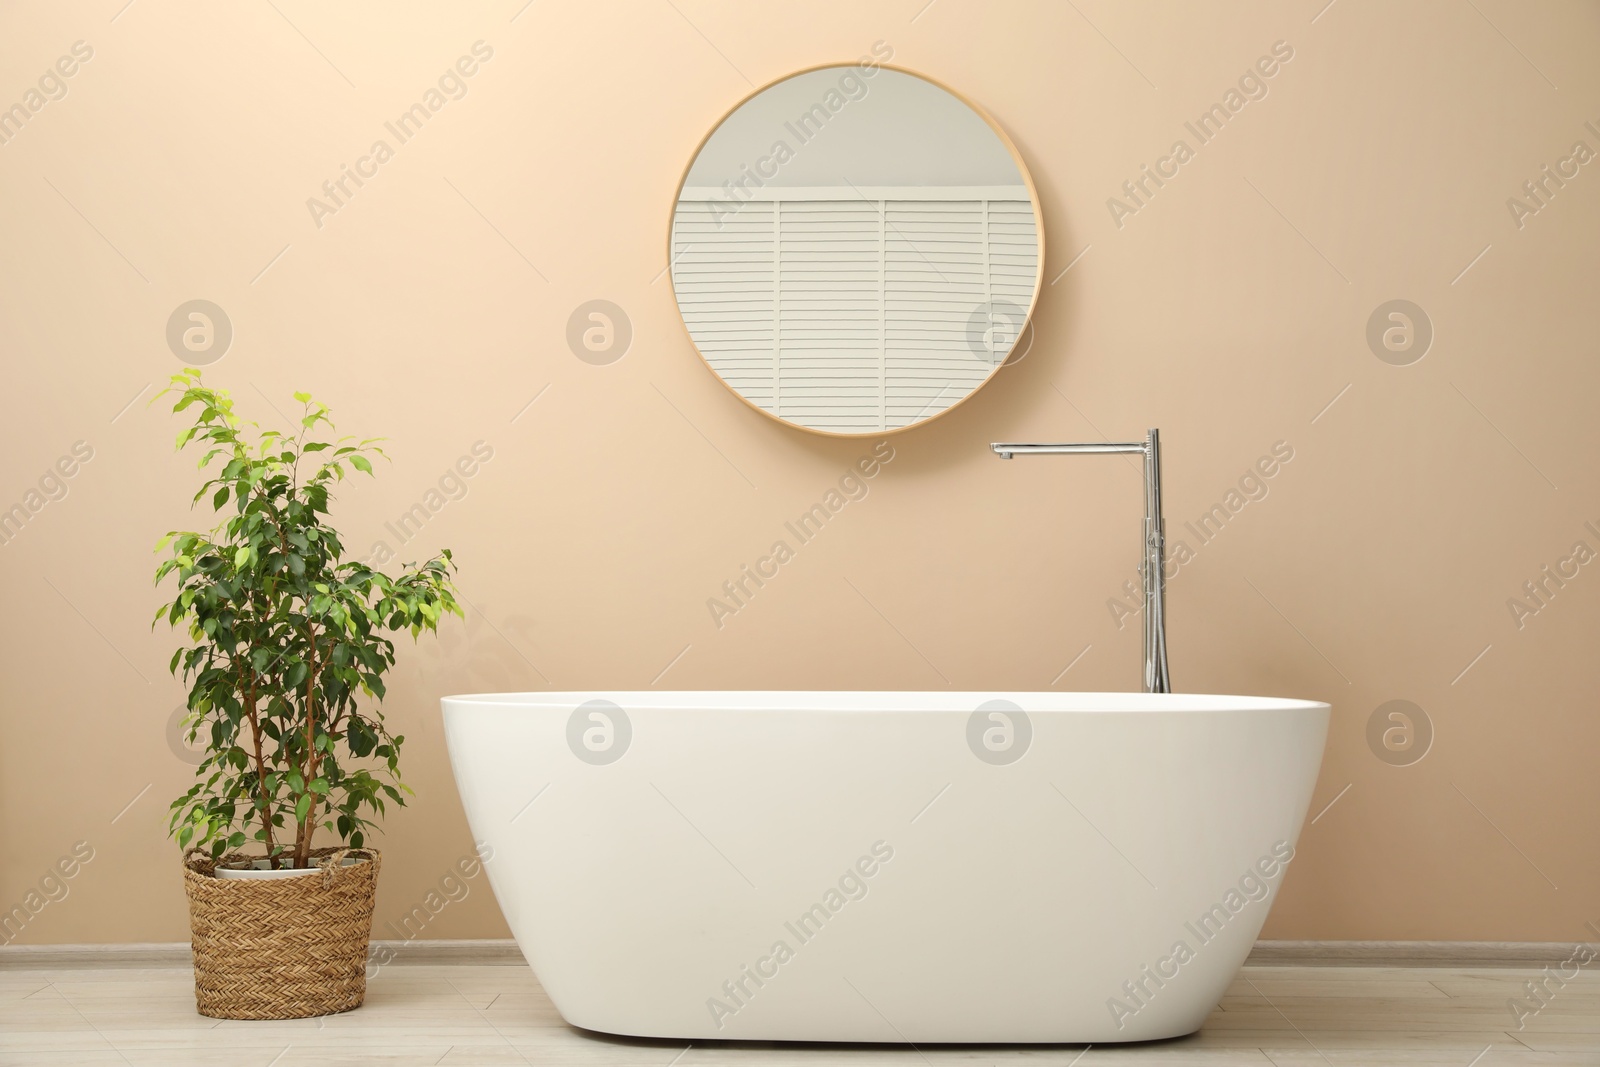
{"type": "Point", "coordinates": [1156, 678]}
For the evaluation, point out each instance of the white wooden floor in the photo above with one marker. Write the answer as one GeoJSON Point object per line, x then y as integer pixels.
{"type": "Point", "coordinates": [456, 1015]}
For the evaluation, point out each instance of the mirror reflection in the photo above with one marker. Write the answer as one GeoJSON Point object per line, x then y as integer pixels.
{"type": "Point", "coordinates": [855, 249]}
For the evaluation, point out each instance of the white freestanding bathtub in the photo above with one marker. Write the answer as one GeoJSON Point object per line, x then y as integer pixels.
{"type": "Point", "coordinates": [885, 866]}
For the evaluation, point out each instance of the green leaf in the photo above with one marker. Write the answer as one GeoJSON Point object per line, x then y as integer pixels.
{"type": "Point", "coordinates": [241, 557]}
{"type": "Point", "coordinates": [302, 807]}
{"type": "Point", "coordinates": [360, 463]}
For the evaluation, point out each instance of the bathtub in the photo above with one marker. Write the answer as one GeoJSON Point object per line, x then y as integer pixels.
{"type": "Point", "coordinates": [885, 866]}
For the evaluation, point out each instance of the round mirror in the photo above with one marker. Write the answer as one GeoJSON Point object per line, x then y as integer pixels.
{"type": "Point", "coordinates": [856, 249]}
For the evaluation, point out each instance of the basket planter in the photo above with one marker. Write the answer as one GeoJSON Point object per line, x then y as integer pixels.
{"type": "Point", "coordinates": [284, 948]}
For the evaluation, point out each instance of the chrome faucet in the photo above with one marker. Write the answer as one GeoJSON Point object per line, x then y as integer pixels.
{"type": "Point", "coordinates": [1156, 678]}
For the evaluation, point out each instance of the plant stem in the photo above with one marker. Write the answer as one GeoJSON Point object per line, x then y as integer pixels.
{"type": "Point", "coordinates": [303, 833]}
{"type": "Point", "coordinates": [261, 770]}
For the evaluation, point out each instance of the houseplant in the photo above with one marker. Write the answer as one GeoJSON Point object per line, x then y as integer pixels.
{"type": "Point", "coordinates": [285, 673]}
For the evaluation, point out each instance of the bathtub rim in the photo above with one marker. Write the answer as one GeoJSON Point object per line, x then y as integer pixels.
{"type": "Point", "coordinates": [899, 701]}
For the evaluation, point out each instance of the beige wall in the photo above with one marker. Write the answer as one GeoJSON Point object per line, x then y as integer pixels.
{"type": "Point", "coordinates": [1230, 310]}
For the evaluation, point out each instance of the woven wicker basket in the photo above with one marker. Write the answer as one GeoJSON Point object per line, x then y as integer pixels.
{"type": "Point", "coordinates": [284, 948]}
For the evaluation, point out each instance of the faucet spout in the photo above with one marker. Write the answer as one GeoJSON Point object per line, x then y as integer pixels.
{"type": "Point", "coordinates": [1152, 570]}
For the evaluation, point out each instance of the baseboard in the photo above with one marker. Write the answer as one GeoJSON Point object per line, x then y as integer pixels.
{"type": "Point", "coordinates": [1408, 953]}
{"type": "Point", "coordinates": [485, 952]}
{"type": "Point", "coordinates": [504, 952]}
{"type": "Point", "coordinates": [83, 957]}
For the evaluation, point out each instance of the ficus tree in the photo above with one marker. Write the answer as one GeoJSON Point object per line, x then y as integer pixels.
{"type": "Point", "coordinates": [290, 640]}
